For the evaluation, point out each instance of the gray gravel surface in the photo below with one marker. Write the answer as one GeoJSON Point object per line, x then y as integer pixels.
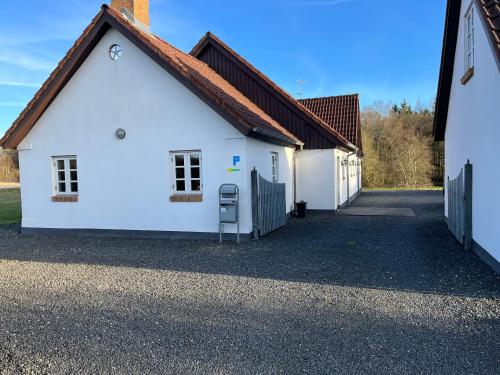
{"type": "Point", "coordinates": [325, 295]}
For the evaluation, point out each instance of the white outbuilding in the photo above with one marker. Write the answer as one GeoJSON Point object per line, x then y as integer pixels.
{"type": "Point", "coordinates": [131, 136]}
{"type": "Point", "coordinates": [467, 120]}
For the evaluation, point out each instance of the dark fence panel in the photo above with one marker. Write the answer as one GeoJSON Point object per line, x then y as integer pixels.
{"type": "Point", "coordinates": [268, 205]}
{"type": "Point", "coordinates": [460, 206]}
{"type": "Point", "coordinates": [456, 208]}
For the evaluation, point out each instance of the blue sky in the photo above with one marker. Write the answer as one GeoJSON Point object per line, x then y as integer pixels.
{"type": "Point", "coordinates": [385, 50]}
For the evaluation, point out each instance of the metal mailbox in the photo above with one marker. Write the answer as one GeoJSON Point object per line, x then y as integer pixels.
{"type": "Point", "coordinates": [229, 197]}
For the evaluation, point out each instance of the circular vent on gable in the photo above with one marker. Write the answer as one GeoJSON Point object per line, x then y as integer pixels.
{"type": "Point", "coordinates": [115, 52]}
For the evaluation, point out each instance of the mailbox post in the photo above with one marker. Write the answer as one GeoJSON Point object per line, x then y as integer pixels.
{"type": "Point", "coordinates": [229, 200]}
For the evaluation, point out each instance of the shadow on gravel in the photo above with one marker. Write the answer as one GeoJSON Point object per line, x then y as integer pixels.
{"type": "Point", "coordinates": [403, 253]}
{"type": "Point", "coordinates": [230, 339]}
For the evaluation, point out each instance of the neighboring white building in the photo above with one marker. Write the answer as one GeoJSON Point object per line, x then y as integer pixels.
{"type": "Point", "coordinates": [467, 108]}
{"type": "Point", "coordinates": [132, 136]}
{"type": "Point", "coordinates": [332, 190]}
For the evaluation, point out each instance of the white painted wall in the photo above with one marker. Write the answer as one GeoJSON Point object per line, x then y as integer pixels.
{"type": "Point", "coordinates": [259, 156]}
{"type": "Point", "coordinates": [473, 131]}
{"type": "Point", "coordinates": [316, 178]}
{"type": "Point", "coordinates": [348, 175]}
{"type": "Point", "coordinates": [127, 184]}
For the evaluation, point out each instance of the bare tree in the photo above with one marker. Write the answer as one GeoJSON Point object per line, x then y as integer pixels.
{"type": "Point", "coordinates": [9, 170]}
{"type": "Point", "coordinates": [398, 148]}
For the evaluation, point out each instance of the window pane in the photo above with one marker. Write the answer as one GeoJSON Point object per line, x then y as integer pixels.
{"type": "Point", "coordinates": [195, 185]}
{"type": "Point", "coordinates": [179, 160]}
{"type": "Point", "coordinates": [179, 172]}
{"type": "Point", "coordinates": [72, 164]}
{"type": "Point", "coordinates": [195, 172]}
{"type": "Point", "coordinates": [195, 159]}
{"type": "Point", "coordinates": [60, 176]}
{"type": "Point", "coordinates": [74, 175]}
{"type": "Point", "coordinates": [180, 185]}
{"type": "Point", "coordinates": [62, 187]}
{"type": "Point", "coordinates": [60, 164]}
{"type": "Point", "coordinates": [74, 187]}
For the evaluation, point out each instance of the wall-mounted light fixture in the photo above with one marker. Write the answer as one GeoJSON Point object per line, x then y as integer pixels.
{"type": "Point", "coordinates": [120, 133]}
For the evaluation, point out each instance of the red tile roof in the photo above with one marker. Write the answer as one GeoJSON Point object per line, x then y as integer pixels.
{"type": "Point", "coordinates": [339, 112]}
{"type": "Point", "coordinates": [490, 10]}
{"type": "Point", "coordinates": [245, 114]}
{"type": "Point", "coordinates": [221, 91]}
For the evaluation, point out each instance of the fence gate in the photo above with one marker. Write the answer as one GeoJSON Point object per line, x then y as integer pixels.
{"type": "Point", "coordinates": [268, 205]}
{"type": "Point", "coordinates": [460, 206]}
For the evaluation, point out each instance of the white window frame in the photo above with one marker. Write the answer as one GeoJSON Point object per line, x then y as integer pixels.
{"type": "Point", "coordinates": [187, 172]}
{"type": "Point", "coordinates": [469, 38]}
{"type": "Point", "coordinates": [275, 166]}
{"type": "Point", "coordinates": [66, 170]}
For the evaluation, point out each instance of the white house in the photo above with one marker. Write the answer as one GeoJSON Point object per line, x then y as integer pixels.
{"type": "Point", "coordinates": [328, 167]}
{"type": "Point", "coordinates": [467, 117]}
{"type": "Point", "coordinates": [129, 135]}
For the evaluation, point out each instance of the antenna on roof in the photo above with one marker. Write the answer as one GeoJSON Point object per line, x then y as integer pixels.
{"type": "Point", "coordinates": [298, 83]}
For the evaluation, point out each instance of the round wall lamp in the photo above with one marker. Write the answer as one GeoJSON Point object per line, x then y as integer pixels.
{"type": "Point", "coordinates": [120, 133]}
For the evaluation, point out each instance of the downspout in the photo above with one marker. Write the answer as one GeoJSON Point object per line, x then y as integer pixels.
{"type": "Point", "coordinates": [294, 161]}
{"type": "Point", "coordinates": [358, 162]}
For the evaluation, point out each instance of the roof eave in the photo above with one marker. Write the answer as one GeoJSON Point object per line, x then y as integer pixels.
{"type": "Point", "coordinates": [446, 69]}
{"type": "Point", "coordinates": [276, 138]}
{"type": "Point", "coordinates": [201, 44]}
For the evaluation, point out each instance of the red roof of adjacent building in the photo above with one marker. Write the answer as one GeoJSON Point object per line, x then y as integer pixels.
{"type": "Point", "coordinates": [491, 14]}
{"type": "Point", "coordinates": [340, 112]}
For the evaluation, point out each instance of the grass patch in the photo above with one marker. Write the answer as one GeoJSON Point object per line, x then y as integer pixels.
{"type": "Point", "coordinates": [10, 206]}
{"type": "Point", "coordinates": [403, 188]}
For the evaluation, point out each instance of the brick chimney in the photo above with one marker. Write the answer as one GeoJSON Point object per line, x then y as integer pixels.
{"type": "Point", "coordinates": [135, 10]}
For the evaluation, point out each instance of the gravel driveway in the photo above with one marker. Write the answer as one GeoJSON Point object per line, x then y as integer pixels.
{"type": "Point", "coordinates": [325, 295]}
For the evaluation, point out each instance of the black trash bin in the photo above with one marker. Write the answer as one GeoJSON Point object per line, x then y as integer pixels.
{"type": "Point", "coordinates": [300, 209]}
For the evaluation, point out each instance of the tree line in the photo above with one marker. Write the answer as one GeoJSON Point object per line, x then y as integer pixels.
{"type": "Point", "coordinates": [399, 149]}
{"type": "Point", "coordinates": [9, 169]}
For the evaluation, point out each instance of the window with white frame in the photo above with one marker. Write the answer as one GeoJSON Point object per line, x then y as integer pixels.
{"type": "Point", "coordinates": [65, 175]}
{"type": "Point", "coordinates": [275, 166]}
{"type": "Point", "coordinates": [186, 167]}
{"type": "Point", "coordinates": [469, 38]}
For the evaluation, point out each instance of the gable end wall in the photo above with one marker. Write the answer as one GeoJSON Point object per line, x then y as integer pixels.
{"type": "Point", "coordinates": [473, 130]}
{"type": "Point", "coordinates": [126, 184]}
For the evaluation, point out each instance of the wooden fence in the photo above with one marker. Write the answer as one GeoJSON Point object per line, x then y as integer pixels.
{"type": "Point", "coordinates": [268, 205]}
